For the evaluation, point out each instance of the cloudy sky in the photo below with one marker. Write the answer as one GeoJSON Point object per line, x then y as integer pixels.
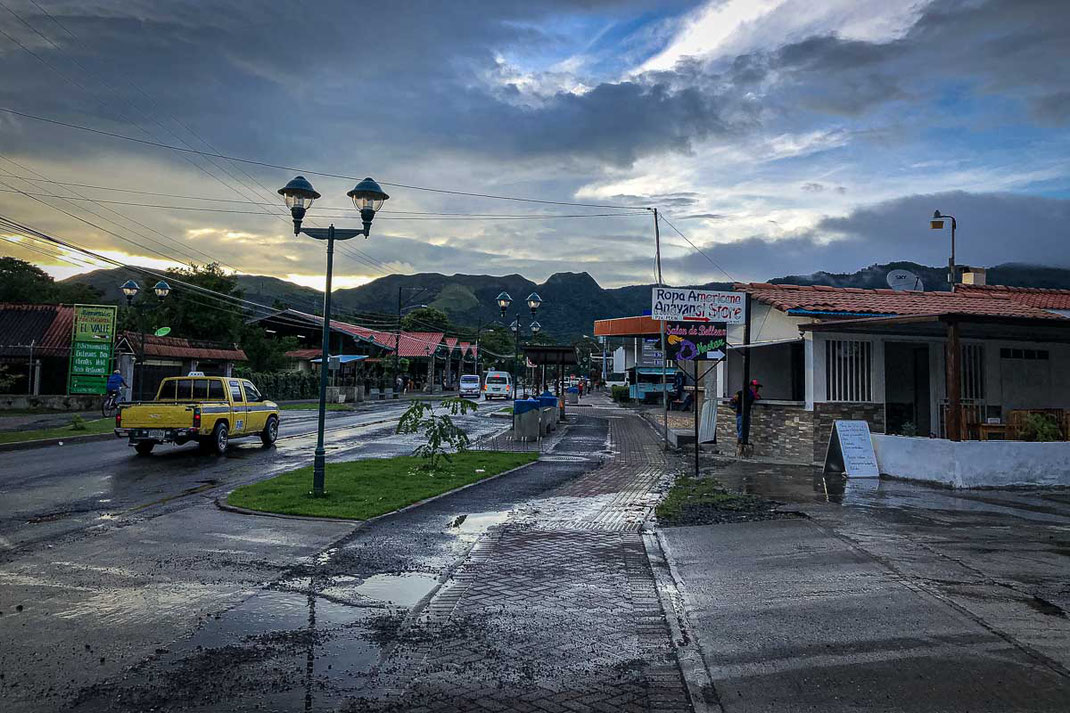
{"type": "Point", "coordinates": [780, 136]}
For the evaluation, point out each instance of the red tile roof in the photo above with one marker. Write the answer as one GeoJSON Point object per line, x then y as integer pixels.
{"type": "Point", "coordinates": [849, 301]}
{"type": "Point", "coordinates": [304, 353]}
{"type": "Point", "coordinates": [465, 346]}
{"type": "Point", "coordinates": [47, 327]}
{"type": "Point", "coordinates": [179, 348]}
{"type": "Point", "coordinates": [1042, 297]}
{"type": "Point", "coordinates": [409, 344]}
{"type": "Point", "coordinates": [451, 342]}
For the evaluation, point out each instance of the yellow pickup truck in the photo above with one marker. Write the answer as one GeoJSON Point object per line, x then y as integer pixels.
{"type": "Point", "coordinates": [208, 409]}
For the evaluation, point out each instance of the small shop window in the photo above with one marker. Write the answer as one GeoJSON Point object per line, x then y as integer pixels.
{"type": "Point", "coordinates": [848, 370]}
{"type": "Point", "coordinates": [1026, 354]}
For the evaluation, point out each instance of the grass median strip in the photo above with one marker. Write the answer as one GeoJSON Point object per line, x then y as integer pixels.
{"type": "Point", "coordinates": [88, 428]}
{"type": "Point", "coordinates": [358, 490]}
{"type": "Point", "coordinates": [705, 501]}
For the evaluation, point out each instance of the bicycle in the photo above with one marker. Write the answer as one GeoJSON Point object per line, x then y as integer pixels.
{"type": "Point", "coordinates": [110, 405]}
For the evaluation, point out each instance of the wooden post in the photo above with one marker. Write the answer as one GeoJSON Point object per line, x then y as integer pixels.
{"type": "Point", "coordinates": [953, 423]}
{"type": "Point", "coordinates": [746, 374]}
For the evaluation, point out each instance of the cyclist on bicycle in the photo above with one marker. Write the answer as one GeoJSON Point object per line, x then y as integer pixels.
{"type": "Point", "coordinates": [115, 384]}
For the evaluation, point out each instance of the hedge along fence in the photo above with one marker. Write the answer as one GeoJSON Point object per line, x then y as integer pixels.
{"type": "Point", "coordinates": [286, 385]}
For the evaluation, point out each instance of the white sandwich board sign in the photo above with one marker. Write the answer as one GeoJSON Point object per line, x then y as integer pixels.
{"type": "Point", "coordinates": [850, 450]}
{"type": "Point", "coordinates": [682, 304]}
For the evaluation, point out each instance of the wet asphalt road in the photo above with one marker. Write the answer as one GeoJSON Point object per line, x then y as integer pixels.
{"type": "Point", "coordinates": [887, 596]}
{"type": "Point", "coordinates": [107, 558]}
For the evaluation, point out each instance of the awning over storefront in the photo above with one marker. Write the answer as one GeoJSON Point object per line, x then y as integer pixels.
{"type": "Point", "coordinates": [342, 358]}
{"type": "Point", "coordinates": [641, 326]}
{"type": "Point", "coordinates": [549, 355]}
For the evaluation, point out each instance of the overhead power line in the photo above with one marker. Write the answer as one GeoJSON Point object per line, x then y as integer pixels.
{"type": "Point", "coordinates": [283, 167]}
{"type": "Point", "coordinates": [699, 250]}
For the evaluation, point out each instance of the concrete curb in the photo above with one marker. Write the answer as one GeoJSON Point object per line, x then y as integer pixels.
{"type": "Point", "coordinates": [45, 442]}
{"type": "Point", "coordinates": [223, 505]}
{"type": "Point", "coordinates": [693, 668]}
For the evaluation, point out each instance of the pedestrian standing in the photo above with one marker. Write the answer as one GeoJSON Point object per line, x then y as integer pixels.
{"type": "Point", "coordinates": [741, 404]}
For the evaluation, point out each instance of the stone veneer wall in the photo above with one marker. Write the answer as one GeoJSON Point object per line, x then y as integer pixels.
{"type": "Point", "coordinates": [789, 432]}
{"type": "Point", "coordinates": [778, 431]}
{"type": "Point", "coordinates": [826, 413]}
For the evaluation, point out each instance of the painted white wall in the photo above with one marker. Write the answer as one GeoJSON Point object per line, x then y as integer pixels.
{"type": "Point", "coordinates": [973, 464]}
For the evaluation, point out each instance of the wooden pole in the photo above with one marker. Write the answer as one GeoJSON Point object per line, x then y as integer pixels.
{"type": "Point", "coordinates": [954, 383]}
{"type": "Point", "coordinates": [746, 376]}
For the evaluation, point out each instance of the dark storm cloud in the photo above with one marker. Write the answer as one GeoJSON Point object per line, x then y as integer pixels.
{"type": "Point", "coordinates": [993, 228]}
{"type": "Point", "coordinates": [277, 77]}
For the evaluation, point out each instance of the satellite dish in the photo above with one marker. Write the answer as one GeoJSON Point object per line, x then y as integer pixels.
{"type": "Point", "coordinates": [904, 281]}
{"type": "Point", "coordinates": [162, 332]}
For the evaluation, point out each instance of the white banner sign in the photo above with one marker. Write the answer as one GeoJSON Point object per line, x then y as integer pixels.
{"type": "Point", "coordinates": [680, 304]}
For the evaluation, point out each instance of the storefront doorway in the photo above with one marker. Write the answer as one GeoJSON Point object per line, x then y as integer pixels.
{"type": "Point", "coordinates": [906, 391]}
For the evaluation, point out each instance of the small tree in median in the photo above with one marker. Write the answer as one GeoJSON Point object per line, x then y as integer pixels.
{"type": "Point", "coordinates": [441, 433]}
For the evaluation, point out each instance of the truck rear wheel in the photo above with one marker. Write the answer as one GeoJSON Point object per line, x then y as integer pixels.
{"type": "Point", "coordinates": [217, 442]}
{"type": "Point", "coordinates": [270, 432]}
{"type": "Point", "coordinates": [144, 448]}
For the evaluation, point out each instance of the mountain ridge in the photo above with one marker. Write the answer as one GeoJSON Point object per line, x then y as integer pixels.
{"type": "Point", "coordinates": [571, 300]}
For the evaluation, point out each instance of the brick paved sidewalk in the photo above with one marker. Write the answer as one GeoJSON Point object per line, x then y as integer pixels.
{"type": "Point", "coordinates": [556, 610]}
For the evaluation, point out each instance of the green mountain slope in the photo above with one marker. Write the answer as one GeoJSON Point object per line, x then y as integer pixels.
{"type": "Point", "coordinates": [571, 300]}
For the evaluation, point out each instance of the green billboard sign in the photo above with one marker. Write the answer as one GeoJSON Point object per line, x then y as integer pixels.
{"type": "Point", "coordinates": [92, 340]}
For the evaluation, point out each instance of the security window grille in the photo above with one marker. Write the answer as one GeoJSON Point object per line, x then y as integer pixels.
{"type": "Point", "coordinates": [847, 370]}
{"type": "Point", "coordinates": [973, 372]}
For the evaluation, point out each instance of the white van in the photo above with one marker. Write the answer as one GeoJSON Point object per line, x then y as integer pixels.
{"type": "Point", "coordinates": [469, 385]}
{"type": "Point", "coordinates": [498, 385]}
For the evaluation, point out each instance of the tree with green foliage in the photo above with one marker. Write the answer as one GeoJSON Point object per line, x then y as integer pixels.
{"type": "Point", "coordinates": [441, 434]}
{"type": "Point", "coordinates": [7, 379]}
{"type": "Point", "coordinates": [266, 353]}
{"type": "Point", "coordinates": [426, 319]}
{"type": "Point", "coordinates": [495, 340]}
{"type": "Point", "coordinates": [195, 315]}
{"type": "Point", "coordinates": [22, 281]}
{"type": "Point", "coordinates": [585, 346]}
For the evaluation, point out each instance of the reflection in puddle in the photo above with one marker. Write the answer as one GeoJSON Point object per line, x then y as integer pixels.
{"type": "Point", "coordinates": [400, 589]}
{"type": "Point", "coordinates": [477, 523]}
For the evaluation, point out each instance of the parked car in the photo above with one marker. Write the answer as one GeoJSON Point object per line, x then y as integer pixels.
{"type": "Point", "coordinates": [208, 409]}
{"type": "Point", "coordinates": [469, 385]}
{"type": "Point", "coordinates": [498, 385]}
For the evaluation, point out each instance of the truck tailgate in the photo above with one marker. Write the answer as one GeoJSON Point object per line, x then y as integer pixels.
{"type": "Point", "coordinates": [157, 415]}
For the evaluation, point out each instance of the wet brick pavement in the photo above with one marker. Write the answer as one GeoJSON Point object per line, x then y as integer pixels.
{"type": "Point", "coordinates": [557, 608]}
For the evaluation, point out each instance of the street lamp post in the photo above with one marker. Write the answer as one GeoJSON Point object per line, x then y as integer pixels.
{"type": "Point", "coordinates": [368, 198]}
{"type": "Point", "coordinates": [937, 223]}
{"type": "Point", "coordinates": [533, 301]}
{"type": "Point", "coordinates": [130, 290]}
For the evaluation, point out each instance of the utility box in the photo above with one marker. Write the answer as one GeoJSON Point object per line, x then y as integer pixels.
{"type": "Point", "coordinates": [547, 413]}
{"type": "Point", "coordinates": [525, 420]}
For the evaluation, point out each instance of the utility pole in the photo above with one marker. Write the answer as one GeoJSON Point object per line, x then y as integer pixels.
{"type": "Point", "coordinates": [397, 340]}
{"type": "Point", "coordinates": [664, 361]}
{"type": "Point", "coordinates": [746, 378]}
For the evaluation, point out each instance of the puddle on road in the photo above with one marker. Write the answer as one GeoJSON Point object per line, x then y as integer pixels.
{"type": "Point", "coordinates": [269, 611]}
{"type": "Point", "coordinates": [477, 523]}
{"type": "Point", "coordinates": [399, 589]}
